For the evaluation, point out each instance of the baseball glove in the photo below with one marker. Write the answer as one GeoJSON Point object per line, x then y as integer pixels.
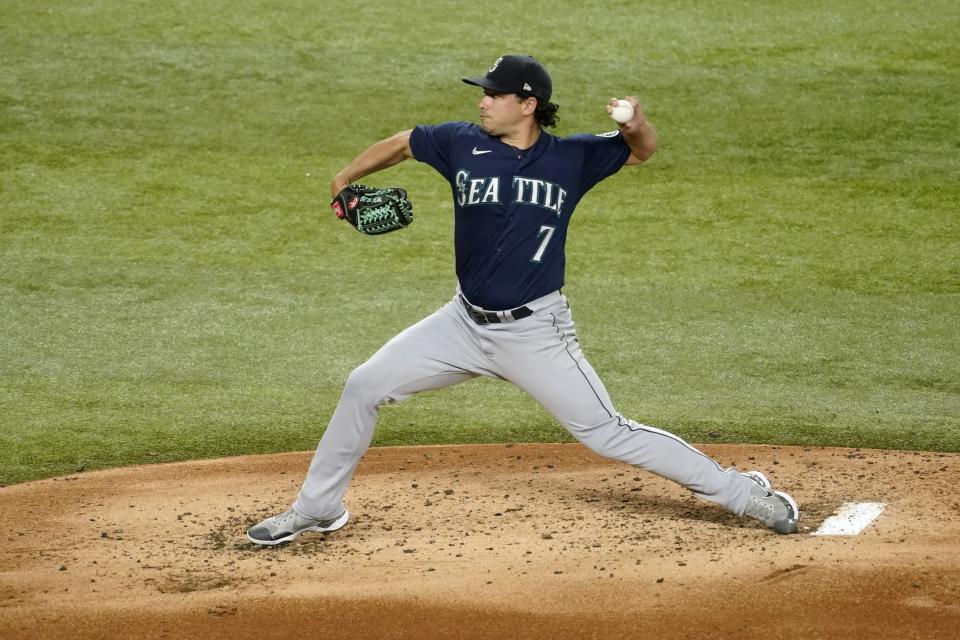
{"type": "Point", "coordinates": [373, 211]}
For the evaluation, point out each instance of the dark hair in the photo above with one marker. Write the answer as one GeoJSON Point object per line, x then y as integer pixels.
{"type": "Point", "coordinates": [546, 113]}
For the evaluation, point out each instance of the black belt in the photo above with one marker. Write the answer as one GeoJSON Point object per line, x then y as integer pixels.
{"type": "Point", "coordinates": [493, 317]}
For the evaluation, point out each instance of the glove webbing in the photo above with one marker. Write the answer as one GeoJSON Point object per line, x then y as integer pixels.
{"type": "Point", "coordinates": [372, 220]}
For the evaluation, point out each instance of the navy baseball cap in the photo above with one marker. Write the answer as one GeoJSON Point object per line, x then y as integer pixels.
{"type": "Point", "coordinates": [522, 75]}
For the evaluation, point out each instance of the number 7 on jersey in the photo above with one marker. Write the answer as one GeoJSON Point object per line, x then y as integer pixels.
{"type": "Point", "coordinates": [547, 232]}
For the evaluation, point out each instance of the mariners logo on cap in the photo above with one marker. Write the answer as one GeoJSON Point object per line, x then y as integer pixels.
{"type": "Point", "coordinates": [496, 64]}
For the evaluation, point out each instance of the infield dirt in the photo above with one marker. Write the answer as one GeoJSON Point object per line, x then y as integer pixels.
{"type": "Point", "coordinates": [497, 541]}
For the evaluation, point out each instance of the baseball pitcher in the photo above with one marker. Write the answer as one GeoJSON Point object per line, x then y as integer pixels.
{"type": "Point", "coordinates": [514, 188]}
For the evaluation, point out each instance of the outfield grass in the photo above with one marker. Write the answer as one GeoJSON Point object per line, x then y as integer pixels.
{"type": "Point", "coordinates": [785, 270]}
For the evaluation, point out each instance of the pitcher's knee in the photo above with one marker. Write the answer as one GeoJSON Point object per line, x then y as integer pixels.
{"type": "Point", "coordinates": [372, 384]}
{"type": "Point", "coordinates": [365, 385]}
{"type": "Point", "coordinates": [605, 435]}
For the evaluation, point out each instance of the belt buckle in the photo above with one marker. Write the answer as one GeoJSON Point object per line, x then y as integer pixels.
{"type": "Point", "coordinates": [479, 317]}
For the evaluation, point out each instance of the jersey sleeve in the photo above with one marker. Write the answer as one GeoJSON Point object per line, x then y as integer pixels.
{"type": "Point", "coordinates": [603, 155]}
{"type": "Point", "coordinates": [431, 144]}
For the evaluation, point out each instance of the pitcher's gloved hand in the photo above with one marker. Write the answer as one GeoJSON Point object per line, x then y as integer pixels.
{"type": "Point", "coordinates": [373, 211]}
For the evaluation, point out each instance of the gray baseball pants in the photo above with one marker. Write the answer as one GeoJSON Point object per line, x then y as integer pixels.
{"type": "Point", "coordinates": [541, 355]}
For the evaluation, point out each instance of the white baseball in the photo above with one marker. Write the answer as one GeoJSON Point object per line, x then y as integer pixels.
{"type": "Point", "coordinates": [623, 112]}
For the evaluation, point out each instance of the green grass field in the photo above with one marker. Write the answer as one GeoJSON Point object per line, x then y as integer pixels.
{"type": "Point", "coordinates": [172, 285]}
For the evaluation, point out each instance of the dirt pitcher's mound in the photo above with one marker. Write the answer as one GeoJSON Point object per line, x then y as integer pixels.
{"type": "Point", "coordinates": [504, 541]}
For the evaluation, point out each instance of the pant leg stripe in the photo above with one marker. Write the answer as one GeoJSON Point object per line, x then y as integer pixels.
{"type": "Point", "coordinates": [621, 420]}
{"type": "Point", "coordinates": [566, 347]}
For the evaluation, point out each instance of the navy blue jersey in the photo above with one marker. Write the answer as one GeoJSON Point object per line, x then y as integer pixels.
{"type": "Point", "coordinates": [512, 206]}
